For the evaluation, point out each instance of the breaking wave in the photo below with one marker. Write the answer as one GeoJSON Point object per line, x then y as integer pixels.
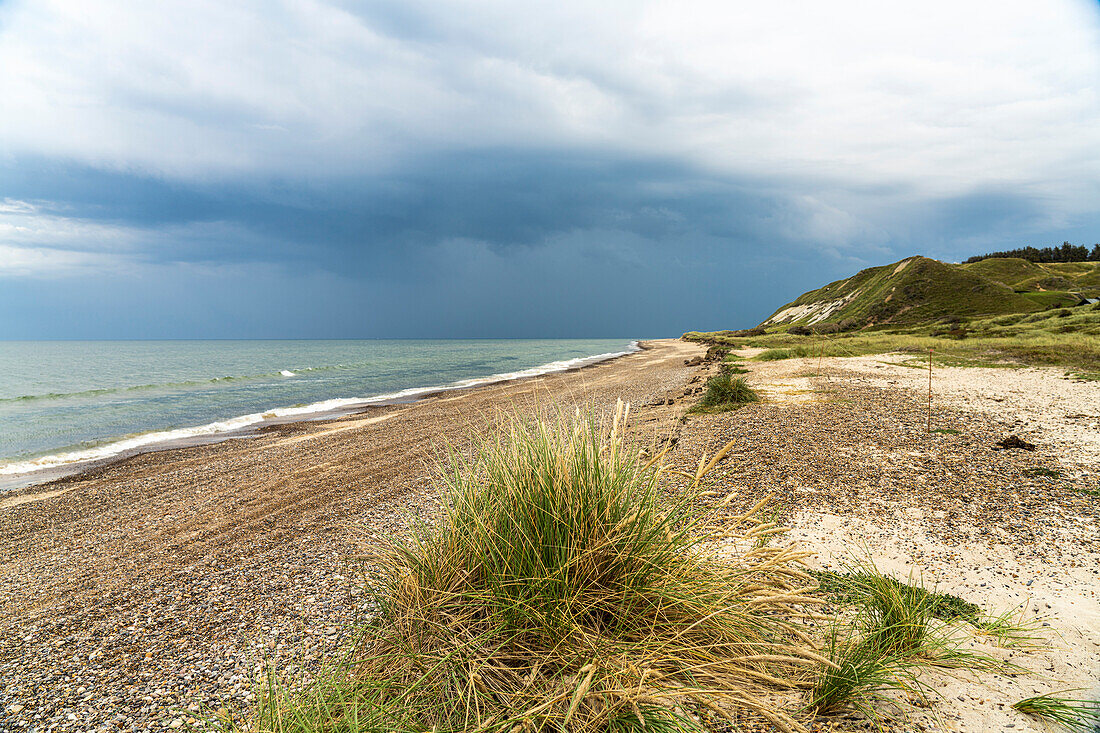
{"type": "Point", "coordinates": [135, 443]}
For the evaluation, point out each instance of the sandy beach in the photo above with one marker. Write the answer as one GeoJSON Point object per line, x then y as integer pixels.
{"type": "Point", "coordinates": [843, 445]}
{"type": "Point", "coordinates": [134, 595]}
{"type": "Point", "coordinates": [138, 595]}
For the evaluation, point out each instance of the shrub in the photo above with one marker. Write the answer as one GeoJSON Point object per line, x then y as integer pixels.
{"type": "Point", "coordinates": [882, 311]}
{"type": "Point", "coordinates": [727, 392]}
{"type": "Point", "coordinates": [849, 324]}
{"type": "Point", "coordinates": [798, 330]}
{"type": "Point", "coordinates": [825, 328]}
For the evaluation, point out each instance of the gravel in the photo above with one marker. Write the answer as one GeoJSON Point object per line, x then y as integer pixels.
{"type": "Point", "coordinates": [149, 594]}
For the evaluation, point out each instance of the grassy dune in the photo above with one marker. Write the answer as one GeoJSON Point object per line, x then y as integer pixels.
{"type": "Point", "coordinates": [1065, 337]}
{"type": "Point", "coordinates": [919, 290]}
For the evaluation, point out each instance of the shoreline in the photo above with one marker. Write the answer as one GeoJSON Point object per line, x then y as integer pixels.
{"type": "Point", "coordinates": [73, 469]}
{"type": "Point", "coordinates": [157, 587]}
{"type": "Point", "coordinates": [148, 590]}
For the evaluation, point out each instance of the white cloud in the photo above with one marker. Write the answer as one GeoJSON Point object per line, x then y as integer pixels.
{"type": "Point", "coordinates": [27, 224]}
{"type": "Point", "coordinates": [48, 262]}
{"type": "Point", "coordinates": [14, 206]}
{"type": "Point", "coordinates": [939, 97]}
{"type": "Point", "coordinates": [37, 241]}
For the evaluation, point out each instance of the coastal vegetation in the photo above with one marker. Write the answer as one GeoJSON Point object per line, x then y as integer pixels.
{"type": "Point", "coordinates": [567, 586]}
{"type": "Point", "coordinates": [1066, 253]}
{"type": "Point", "coordinates": [1065, 337]}
{"type": "Point", "coordinates": [919, 291]}
{"type": "Point", "coordinates": [563, 590]}
{"type": "Point", "coordinates": [863, 582]}
{"type": "Point", "coordinates": [1073, 714]}
{"type": "Point", "coordinates": [726, 392]}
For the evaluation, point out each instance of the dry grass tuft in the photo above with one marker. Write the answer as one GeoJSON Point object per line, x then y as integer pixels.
{"type": "Point", "coordinates": [563, 590]}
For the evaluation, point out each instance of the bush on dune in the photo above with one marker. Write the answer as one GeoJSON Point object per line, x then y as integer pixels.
{"type": "Point", "coordinates": [563, 590]}
{"type": "Point", "coordinates": [726, 392]}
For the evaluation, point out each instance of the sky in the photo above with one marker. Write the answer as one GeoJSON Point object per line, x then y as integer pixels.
{"type": "Point", "coordinates": [311, 169]}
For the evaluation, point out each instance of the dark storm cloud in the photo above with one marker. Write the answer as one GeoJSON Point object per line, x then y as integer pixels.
{"type": "Point", "coordinates": [479, 168]}
{"type": "Point", "coordinates": [503, 198]}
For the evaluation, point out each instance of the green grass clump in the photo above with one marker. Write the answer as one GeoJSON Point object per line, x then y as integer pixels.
{"type": "Point", "coordinates": [725, 392]}
{"type": "Point", "coordinates": [792, 352]}
{"type": "Point", "coordinates": [887, 638]}
{"type": "Point", "coordinates": [864, 583]}
{"type": "Point", "coordinates": [1042, 472]}
{"type": "Point", "coordinates": [888, 635]}
{"type": "Point", "coordinates": [893, 615]}
{"type": "Point", "coordinates": [1011, 630]}
{"type": "Point", "coordinates": [563, 591]}
{"type": "Point", "coordinates": [857, 677]}
{"type": "Point", "coordinates": [1071, 713]}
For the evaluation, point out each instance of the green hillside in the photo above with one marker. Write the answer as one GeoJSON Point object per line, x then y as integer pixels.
{"type": "Point", "coordinates": [919, 290]}
{"type": "Point", "coordinates": [1024, 276]}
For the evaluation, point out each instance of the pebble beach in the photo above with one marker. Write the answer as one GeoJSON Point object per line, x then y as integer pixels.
{"type": "Point", "coordinates": [150, 593]}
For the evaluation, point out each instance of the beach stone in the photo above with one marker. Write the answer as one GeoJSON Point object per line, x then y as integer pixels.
{"type": "Point", "coordinates": [1014, 442]}
{"type": "Point", "coordinates": [232, 583]}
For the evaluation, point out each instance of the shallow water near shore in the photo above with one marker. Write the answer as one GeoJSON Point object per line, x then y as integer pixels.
{"type": "Point", "coordinates": [71, 402]}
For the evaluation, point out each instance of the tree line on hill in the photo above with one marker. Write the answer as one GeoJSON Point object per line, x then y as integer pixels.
{"type": "Point", "coordinates": [1066, 253]}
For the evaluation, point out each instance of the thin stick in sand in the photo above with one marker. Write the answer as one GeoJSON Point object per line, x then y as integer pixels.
{"type": "Point", "coordinates": [930, 390]}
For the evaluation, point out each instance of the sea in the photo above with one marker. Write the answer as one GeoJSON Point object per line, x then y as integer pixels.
{"type": "Point", "coordinates": [65, 405]}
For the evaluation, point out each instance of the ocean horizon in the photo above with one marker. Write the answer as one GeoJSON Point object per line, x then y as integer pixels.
{"type": "Point", "coordinates": [67, 404]}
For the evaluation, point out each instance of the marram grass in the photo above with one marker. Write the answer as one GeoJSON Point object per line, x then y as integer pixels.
{"type": "Point", "coordinates": [885, 631]}
{"type": "Point", "coordinates": [562, 590]}
{"type": "Point", "coordinates": [859, 676]}
{"type": "Point", "coordinates": [1073, 714]}
{"type": "Point", "coordinates": [725, 392]}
